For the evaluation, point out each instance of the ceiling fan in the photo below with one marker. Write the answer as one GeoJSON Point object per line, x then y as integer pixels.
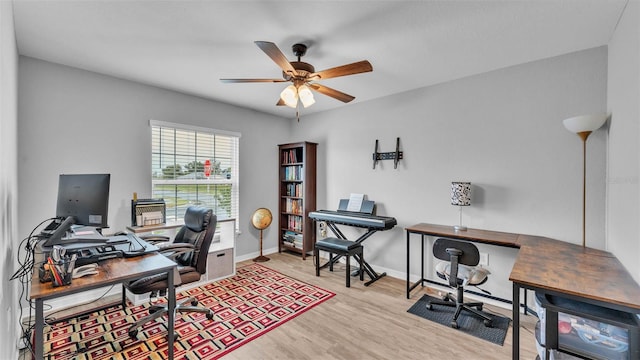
{"type": "Point", "coordinates": [302, 75]}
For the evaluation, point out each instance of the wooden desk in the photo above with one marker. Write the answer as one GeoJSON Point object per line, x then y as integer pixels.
{"type": "Point", "coordinates": [474, 235]}
{"type": "Point", "coordinates": [549, 266]}
{"type": "Point", "coordinates": [570, 271]}
{"type": "Point", "coordinates": [112, 271]}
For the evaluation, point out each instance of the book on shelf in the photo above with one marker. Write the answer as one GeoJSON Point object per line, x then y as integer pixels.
{"type": "Point", "coordinates": [293, 173]}
{"type": "Point", "coordinates": [290, 156]}
{"type": "Point", "coordinates": [293, 206]}
{"type": "Point", "coordinates": [291, 236]}
{"type": "Point", "coordinates": [293, 239]}
{"type": "Point", "coordinates": [295, 222]}
{"type": "Point", "coordinates": [294, 190]}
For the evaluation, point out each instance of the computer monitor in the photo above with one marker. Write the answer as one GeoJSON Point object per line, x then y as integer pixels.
{"type": "Point", "coordinates": [85, 197]}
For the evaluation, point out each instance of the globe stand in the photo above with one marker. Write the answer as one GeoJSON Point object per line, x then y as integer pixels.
{"type": "Point", "coordinates": [261, 258]}
{"type": "Point", "coordinates": [261, 219]}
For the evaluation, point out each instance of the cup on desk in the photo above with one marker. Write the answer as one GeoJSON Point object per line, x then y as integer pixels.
{"type": "Point", "coordinates": [58, 272]}
{"type": "Point", "coordinates": [139, 220]}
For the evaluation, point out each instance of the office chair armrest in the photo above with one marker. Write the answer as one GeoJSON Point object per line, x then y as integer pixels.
{"type": "Point", "coordinates": [154, 239]}
{"type": "Point", "coordinates": [169, 247]}
{"type": "Point", "coordinates": [172, 250]}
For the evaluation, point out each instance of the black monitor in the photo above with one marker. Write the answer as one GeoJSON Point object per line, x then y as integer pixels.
{"type": "Point", "coordinates": [85, 197]}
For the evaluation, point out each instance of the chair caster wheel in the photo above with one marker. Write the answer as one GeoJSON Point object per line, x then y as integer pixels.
{"type": "Point", "coordinates": [133, 333]}
{"type": "Point", "coordinates": [429, 307]}
{"type": "Point", "coordinates": [488, 323]}
{"type": "Point", "coordinates": [210, 315]}
{"type": "Point", "coordinates": [454, 324]}
{"type": "Point", "coordinates": [194, 302]}
{"type": "Point", "coordinates": [479, 308]}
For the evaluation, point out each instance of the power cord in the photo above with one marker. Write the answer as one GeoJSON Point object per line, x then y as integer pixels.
{"type": "Point", "coordinates": [24, 274]}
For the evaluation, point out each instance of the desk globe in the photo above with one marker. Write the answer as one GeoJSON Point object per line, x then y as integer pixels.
{"type": "Point", "coordinates": [261, 219]}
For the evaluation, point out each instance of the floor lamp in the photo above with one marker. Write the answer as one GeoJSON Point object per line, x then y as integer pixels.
{"type": "Point", "coordinates": [583, 126]}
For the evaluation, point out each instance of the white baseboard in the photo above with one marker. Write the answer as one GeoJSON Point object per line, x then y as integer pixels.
{"type": "Point", "coordinates": [255, 254]}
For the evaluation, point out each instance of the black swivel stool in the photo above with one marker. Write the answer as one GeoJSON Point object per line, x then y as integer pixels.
{"type": "Point", "coordinates": [339, 247]}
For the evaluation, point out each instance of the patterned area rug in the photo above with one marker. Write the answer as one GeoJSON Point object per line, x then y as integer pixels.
{"type": "Point", "coordinates": [253, 302]}
{"type": "Point", "coordinates": [468, 324]}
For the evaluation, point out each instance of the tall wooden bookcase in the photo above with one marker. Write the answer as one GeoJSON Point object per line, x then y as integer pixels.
{"type": "Point", "coordinates": [297, 182]}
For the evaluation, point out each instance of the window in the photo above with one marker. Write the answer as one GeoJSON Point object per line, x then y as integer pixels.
{"type": "Point", "coordinates": [194, 166]}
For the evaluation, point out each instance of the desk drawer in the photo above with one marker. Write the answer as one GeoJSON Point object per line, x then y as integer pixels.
{"type": "Point", "coordinates": [220, 264]}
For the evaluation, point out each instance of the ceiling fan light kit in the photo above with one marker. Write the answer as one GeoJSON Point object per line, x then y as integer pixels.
{"type": "Point", "coordinates": [301, 75]}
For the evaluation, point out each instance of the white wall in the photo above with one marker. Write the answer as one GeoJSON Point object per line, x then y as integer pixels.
{"type": "Point", "coordinates": [75, 121]}
{"type": "Point", "coordinates": [502, 131]}
{"type": "Point", "coordinates": [623, 195]}
{"type": "Point", "coordinates": [9, 239]}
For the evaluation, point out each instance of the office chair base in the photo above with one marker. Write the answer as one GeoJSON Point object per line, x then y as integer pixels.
{"type": "Point", "coordinates": [474, 308]}
{"type": "Point", "coordinates": [156, 311]}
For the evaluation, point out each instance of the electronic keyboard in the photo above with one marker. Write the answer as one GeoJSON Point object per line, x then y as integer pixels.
{"type": "Point", "coordinates": [352, 218]}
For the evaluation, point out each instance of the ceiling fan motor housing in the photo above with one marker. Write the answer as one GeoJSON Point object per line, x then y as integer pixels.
{"type": "Point", "coordinates": [299, 50]}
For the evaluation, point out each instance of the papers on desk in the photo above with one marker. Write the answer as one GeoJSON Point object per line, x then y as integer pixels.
{"type": "Point", "coordinates": [84, 232]}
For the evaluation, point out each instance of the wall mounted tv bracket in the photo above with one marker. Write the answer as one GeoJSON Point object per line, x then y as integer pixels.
{"type": "Point", "coordinates": [395, 156]}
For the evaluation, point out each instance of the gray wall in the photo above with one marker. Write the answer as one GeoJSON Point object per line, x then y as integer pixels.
{"type": "Point", "coordinates": [9, 240]}
{"type": "Point", "coordinates": [501, 130]}
{"type": "Point", "coordinates": [623, 195]}
{"type": "Point", "coordinates": [75, 121]}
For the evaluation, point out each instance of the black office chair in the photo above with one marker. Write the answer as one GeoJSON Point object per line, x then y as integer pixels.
{"type": "Point", "coordinates": [189, 249]}
{"type": "Point", "coordinates": [459, 253]}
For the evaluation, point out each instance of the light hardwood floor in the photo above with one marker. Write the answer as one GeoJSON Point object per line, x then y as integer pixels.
{"type": "Point", "coordinates": [370, 323]}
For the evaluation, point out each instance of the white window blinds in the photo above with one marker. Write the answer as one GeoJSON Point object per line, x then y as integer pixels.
{"type": "Point", "coordinates": [194, 166]}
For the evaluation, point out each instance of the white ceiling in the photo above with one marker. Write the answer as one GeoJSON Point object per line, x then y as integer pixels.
{"type": "Point", "coordinates": [188, 46]}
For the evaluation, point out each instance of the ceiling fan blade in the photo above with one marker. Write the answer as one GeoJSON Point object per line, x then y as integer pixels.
{"type": "Point", "coordinates": [349, 69]}
{"type": "Point", "coordinates": [252, 80]}
{"type": "Point", "coordinates": [338, 95]}
{"type": "Point", "coordinates": [277, 56]}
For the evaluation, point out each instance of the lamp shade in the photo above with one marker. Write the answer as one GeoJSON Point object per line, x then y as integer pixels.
{"type": "Point", "coordinates": [583, 123]}
{"type": "Point", "coordinates": [290, 96]}
{"type": "Point", "coordinates": [461, 193]}
{"type": "Point", "coordinates": [306, 97]}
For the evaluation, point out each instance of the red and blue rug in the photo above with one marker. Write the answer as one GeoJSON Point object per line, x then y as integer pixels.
{"type": "Point", "coordinates": [253, 302]}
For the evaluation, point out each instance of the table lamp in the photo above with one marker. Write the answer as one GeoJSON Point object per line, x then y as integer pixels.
{"type": "Point", "coordinates": [583, 125]}
{"type": "Point", "coordinates": [461, 196]}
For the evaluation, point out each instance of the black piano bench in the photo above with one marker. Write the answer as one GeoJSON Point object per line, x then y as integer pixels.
{"type": "Point", "coordinates": [339, 247]}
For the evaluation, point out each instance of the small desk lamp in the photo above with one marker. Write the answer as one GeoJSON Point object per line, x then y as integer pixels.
{"type": "Point", "coordinates": [583, 125]}
{"type": "Point", "coordinates": [461, 196]}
